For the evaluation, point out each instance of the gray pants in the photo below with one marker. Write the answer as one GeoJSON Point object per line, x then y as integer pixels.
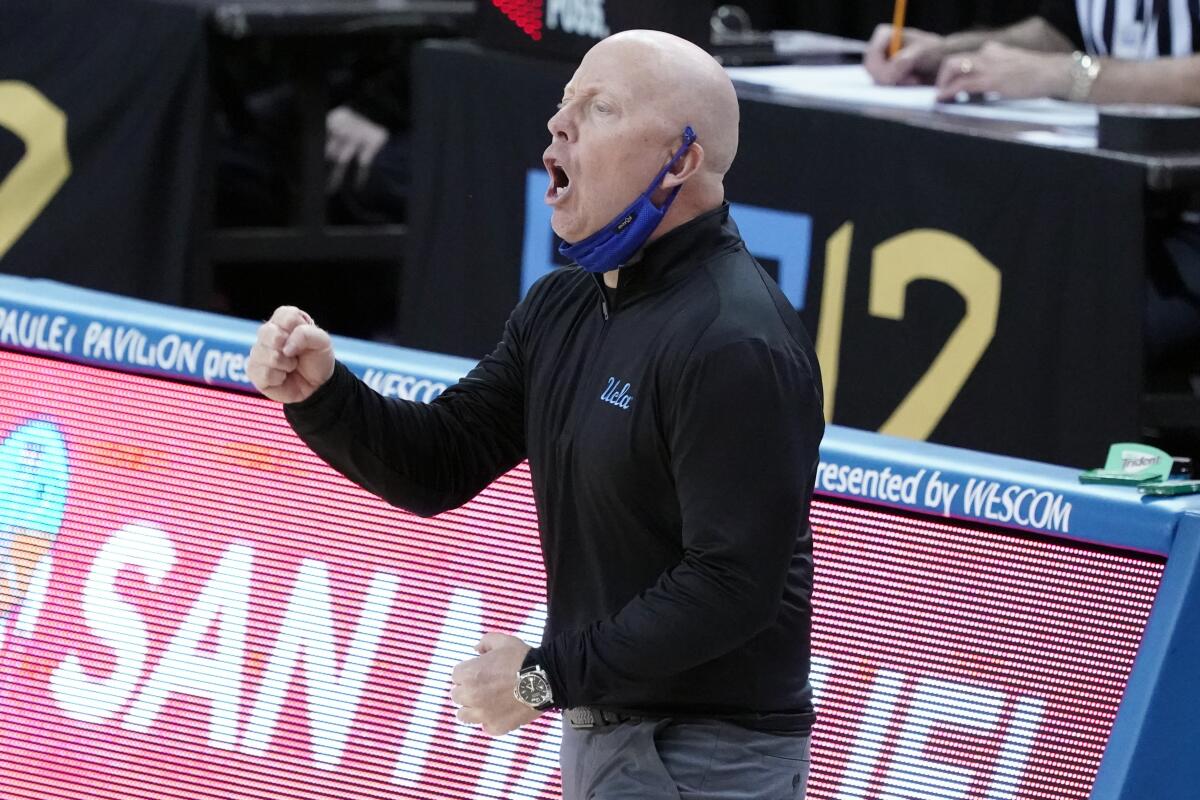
{"type": "Point", "coordinates": [663, 759]}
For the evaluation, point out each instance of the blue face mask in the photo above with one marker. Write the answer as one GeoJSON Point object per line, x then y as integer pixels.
{"type": "Point", "coordinates": [614, 244]}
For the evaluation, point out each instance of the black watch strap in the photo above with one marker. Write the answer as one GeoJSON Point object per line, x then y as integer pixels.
{"type": "Point", "coordinates": [533, 684]}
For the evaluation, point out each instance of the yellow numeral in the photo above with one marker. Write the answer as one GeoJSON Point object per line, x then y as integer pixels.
{"type": "Point", "coordinates": [42, 126]}
{"type": "Point", "coordinates": [938, 256]}
{"type": "Point", "coordinates": [833, 306]}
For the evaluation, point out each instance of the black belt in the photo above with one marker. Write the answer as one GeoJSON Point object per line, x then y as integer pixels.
{"type": "Point", "coordinates": [780, 723]}
{"type": "Point", "coordinates": [584, 717]}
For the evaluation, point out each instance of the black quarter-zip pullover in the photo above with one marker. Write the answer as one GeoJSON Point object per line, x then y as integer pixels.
{"type": "Point", "coordinates": [672, 435]}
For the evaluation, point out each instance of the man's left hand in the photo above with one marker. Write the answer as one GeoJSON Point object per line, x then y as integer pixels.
{"type": "Point", "coordinates": [483, 686]}
{"type": "Point", "coordinates": [1005, 71]}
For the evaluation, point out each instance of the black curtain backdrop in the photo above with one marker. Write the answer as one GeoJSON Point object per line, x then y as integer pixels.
{"type": "Point", "coordinates": [1060, 380]}
{"type": "Point", "coordinates": [1057, 381]}
{"type": "Point", "coordinates": [129, 76]}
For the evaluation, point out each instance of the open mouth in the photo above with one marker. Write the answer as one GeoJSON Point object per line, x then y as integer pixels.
{"type": "Point", "coordinates": [560, 183]}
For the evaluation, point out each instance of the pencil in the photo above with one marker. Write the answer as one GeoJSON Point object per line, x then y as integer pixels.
{"type": "Point", "coordinates": [897, 27]}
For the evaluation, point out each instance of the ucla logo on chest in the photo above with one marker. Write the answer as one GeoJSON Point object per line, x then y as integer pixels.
{"type": "Point", "coordinates": [617, 394]}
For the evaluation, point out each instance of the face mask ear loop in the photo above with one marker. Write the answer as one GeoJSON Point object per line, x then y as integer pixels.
{"type": "Point", "coordinates": [689, 137]}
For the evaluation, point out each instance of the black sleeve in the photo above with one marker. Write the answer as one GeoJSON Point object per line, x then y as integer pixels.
{"type": "Point", "coordinates": [1062, 16]}
{"type": "Point", "coordinates": [743, 445]}
{"type": "Point", "coordinates": [425, 458]}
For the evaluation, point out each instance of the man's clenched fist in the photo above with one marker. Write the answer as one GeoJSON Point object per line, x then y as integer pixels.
{"type": "Point", "coordinates": [291, 358]}
{"type": "Point", "coordinates": [482, 687]}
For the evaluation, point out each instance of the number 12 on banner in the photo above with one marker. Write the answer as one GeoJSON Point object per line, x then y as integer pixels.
{"type": "Point", "coordinates": [922, 254]}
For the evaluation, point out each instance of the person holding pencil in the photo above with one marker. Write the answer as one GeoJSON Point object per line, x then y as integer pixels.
{"type": "Point", "coordinates": [1132, 51]}
{"type": "Point", "coordinates": [1139, 51]}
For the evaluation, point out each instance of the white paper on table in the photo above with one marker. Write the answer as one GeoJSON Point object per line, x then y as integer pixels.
{"type": "Point", "coordinates": [848, 83]}
{"type": "Point", "coordinates": [1038, 111]}
{"type": "Point", "coordinates": [801, 43]}
{"type": "Point", "coordinates": [852, 84]}
{"type": "Point", "coordinates": [1080, 138]}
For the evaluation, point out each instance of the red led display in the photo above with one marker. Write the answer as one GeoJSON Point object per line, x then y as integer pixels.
{"type": "Point", "coordinates": [525, 14]}
{"type": "Point", "coordinates": [962, 662]}
{"type": "Point", "coordinates": [223, 616]}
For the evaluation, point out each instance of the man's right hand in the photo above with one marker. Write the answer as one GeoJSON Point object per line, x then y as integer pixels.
{"type": "Point", "coordinates": [917, 61]}
{"type": "Point", "coordinates": [291, 358]}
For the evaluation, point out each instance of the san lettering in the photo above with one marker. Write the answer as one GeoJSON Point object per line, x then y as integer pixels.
{"type": "Point", "coordinates": [208, 651]}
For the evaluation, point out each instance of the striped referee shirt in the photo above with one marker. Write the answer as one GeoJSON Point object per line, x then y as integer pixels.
{"type": "Point", "coordinates": [1131, 29]}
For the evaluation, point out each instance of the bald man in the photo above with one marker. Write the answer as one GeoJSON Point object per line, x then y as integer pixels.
{"type": "Point", "coordinates": [669, 404]}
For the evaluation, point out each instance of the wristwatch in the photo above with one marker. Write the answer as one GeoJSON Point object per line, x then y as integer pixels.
{"type": "Point", "coordinates": [1084, 71]}
{"type": "Point", "coordinates": [533, 685]}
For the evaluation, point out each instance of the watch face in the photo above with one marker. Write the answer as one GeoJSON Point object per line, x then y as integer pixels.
{"type": "Point", "coordinates": [533, 689]}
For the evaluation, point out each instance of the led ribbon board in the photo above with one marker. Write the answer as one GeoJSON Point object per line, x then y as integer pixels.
{"type": "Point", "coordinates": [218, 614]}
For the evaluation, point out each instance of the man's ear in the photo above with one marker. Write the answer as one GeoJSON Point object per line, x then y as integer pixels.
{"type": "Point", "coordinates": [687, 165]}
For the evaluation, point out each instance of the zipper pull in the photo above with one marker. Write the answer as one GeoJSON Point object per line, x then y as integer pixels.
{"type": "Point", "coordinates": [603, 294]}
